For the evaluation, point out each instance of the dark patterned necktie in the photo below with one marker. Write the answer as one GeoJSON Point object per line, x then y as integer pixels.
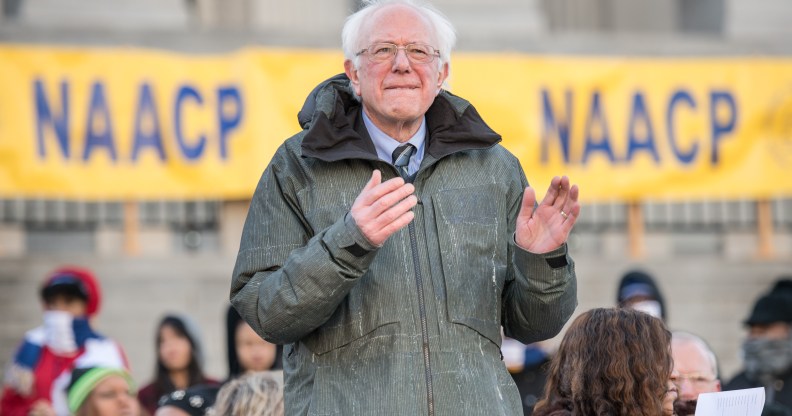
{"type": "Point", "coordinates": [401, 158]}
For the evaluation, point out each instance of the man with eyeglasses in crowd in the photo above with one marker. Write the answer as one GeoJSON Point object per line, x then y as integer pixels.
{"type": "Point", "coordinates": [695, 371]}
{"type": "Point", "coordinates": [388, 241]}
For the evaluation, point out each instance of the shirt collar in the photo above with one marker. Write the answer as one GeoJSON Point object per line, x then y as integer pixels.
{"type": "Point", "coordinates": [385, 144]}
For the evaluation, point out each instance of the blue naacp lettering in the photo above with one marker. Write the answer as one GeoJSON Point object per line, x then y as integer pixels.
{"type": "Point", "coordinates": [641, 137]}
{"type": "Point", "coordinates": [147, 126]}
{"type": "Point", "coordinates": [148, 137]}
{"type": "Point", "coordinates": [640, 117]}
{"type": "Point", "coordinates": [597, 123]}
{"type": "Point", "coordinates": [99, 119]}
{"type": "Point", "coordinates": [556, 126]}
{"type": "Point", "coordinates": [680, 97]}
{"type": "Point", "coordinates": [229, 115]}
{"type": "Point", "coordinates": [191, 152]}
{"type": "Point", "coordinates": [717, 99]}
{"type": "Point", "coordinates": [46, 116]}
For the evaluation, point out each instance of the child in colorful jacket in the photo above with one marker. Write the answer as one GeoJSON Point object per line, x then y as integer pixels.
{"type": "Point", "coordinates": [36, 380]}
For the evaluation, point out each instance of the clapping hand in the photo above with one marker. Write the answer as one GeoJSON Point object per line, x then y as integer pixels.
{"type": "Point", "coordinates": [545, 227]}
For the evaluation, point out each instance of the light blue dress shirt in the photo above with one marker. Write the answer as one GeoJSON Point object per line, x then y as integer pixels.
{"type": "Point", "coordinates": [385, 144]}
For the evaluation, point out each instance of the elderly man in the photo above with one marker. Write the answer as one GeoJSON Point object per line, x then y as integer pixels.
{"type": "Point", "coordinates": [695, 370]}
{"type": "Point", "coordinates": [388, 241]}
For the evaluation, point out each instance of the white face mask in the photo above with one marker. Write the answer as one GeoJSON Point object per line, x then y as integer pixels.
{"type": "Point", "coordinates": [59, 332]}
{"type": "Point", "coordinates": [651, 307]}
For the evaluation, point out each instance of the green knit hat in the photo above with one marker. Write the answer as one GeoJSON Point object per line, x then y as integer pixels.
{"type": "Point", "coordinates": [85, 379]}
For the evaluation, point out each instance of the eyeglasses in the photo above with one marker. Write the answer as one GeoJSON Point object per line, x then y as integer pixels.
{"type": "Point", "coordinates": [416, 52]}
{"type": "Point", "coordinates": [695, 379]}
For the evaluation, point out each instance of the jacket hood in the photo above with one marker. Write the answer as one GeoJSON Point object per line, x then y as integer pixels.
{"type": "Point", "coordinates": [639, 283]}
{"type": "Point", "coordinates": [334, 129]}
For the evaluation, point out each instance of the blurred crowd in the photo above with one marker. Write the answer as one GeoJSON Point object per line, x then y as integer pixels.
{"type": "Point", "coordinates": [65, 367]}
{"type": "Point", "coordinates": [611, 361]}
{"type": "Point", "coordinates": [608, 360]}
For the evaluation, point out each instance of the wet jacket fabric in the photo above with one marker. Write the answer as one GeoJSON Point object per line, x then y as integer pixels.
{"type": "Point", "coordinates": [412, 327]}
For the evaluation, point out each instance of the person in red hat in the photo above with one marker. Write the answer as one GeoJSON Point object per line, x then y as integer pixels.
{"type": "Point", "coordinates": [37, 378]}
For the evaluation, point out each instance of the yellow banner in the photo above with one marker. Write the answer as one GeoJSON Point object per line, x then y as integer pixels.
{"type": "Point", "coordinates": [128, 123]}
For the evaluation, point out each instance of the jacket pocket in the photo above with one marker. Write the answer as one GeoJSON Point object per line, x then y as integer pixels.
{"type": "Point", "coordinates": [472, 228]}
{"type": "Point", "coordinates": [344, 328]}
{"type": "Point", "coordinates": [375, 301]}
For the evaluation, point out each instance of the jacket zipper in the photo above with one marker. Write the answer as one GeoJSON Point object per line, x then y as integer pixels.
{"type": "Point", "coordinates": [422, 313]}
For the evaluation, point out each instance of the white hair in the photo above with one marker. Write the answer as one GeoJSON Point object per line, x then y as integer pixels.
{"type": "Point", "coordinates": [687, 337]}
{"type": "Point", "coordinates": [444, 31]}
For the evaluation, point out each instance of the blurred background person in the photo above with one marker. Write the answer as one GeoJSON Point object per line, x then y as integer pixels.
{"type": "Point", "coordinates": [247, 351]}
{"type": "Point", "coordinates": [767, 350]}
{"type": "Point", "coordinates": [179, 360]}
{"type": "Point", "coordinates": [695, 370]}
{"type": "Point", "coordinates": [527, 364]}
{"type": "Point", "coordinates": [102, 391]}
{"type": "Point", "coordinates": [35, 381]}
{"type": "Point", "coordinates": [638, 290]}
{"type": "Point", "coordinates": [253, 394]}
{"type": "Point", "coordinates": [611, 362]}
{"type": "Point", "coordinates": [195, 401]}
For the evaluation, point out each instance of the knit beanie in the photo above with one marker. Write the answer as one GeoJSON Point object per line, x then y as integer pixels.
{"type": "Point", "coordinates": [77, 280]}
{"type": "Point", "coordinates": [773, 306]}
{"type": "Point", "coordinates": [196, 400]}
{"type": "Point", "coordinates": [85, 379]}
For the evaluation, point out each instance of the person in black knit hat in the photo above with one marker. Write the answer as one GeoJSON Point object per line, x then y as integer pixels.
{"type": "Point", "coordinates": [767, 350]}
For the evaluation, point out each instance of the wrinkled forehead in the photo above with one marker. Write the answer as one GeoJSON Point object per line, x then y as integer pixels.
{"type": "Point", "coordinates": [691, 355]}
{"type": "Point", "coordinates": [397, 23]}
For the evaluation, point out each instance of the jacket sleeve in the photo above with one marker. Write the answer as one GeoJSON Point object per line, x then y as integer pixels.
{"type": "Point", "coordinates": [288, 280]}
{"type": "Point", "coordinates": [14, 404]}
{"type": "Point", "coordinates": [540, 293]}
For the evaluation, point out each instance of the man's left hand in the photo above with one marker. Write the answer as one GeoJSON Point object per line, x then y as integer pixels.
{"type": "Point", "coordinates": [547, 227]}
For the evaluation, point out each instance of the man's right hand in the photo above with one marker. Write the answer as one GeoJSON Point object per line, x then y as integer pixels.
{"type": "Point", "coordinates": [382, 208]}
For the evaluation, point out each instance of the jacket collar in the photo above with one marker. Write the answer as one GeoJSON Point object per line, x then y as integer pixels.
{"type": "Point", "coordinates": [335, 131]}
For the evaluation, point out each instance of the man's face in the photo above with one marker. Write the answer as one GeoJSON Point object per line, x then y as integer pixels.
{"type": "Point", "coordinates": [693, 373]}
{"type": "Point", "coordinates": [396, 91]}
{"type": "Point", "coordinates": [767, 352]}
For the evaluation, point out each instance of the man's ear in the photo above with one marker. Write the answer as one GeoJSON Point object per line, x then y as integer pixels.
{"type": "Point", "coordinates": [442, 76]}
{"type": "Point", "coordinates": [352, 74]}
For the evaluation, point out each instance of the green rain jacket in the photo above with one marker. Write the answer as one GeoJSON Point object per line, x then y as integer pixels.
{"type": "Point", "coordinates": [412, 327]}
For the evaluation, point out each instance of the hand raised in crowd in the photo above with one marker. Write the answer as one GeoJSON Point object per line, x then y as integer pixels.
{"type": "Point", "coordinates": [546, 227]}
{"type": "Point", "coordinates": [382, 208]}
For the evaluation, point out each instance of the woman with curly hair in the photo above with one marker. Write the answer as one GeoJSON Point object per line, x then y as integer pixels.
{"type": "Point", "coordinates": [611, 362]}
